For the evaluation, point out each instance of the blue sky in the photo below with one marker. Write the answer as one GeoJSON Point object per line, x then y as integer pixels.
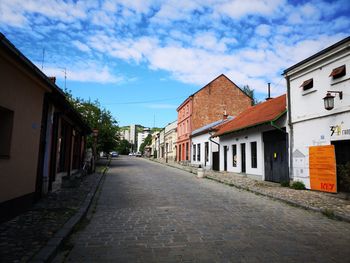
{"type": "Point", "coordinates": [142, 58]}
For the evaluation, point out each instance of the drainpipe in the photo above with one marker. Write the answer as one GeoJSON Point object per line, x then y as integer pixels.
{"type": "Point", "coordinates": [291, 135]}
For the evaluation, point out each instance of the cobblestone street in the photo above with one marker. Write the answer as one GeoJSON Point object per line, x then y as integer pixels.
{"type": "Point", "coordinates": [148, 212]}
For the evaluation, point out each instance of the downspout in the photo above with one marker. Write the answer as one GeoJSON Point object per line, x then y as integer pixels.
{"type": "Point", "coordinates": [291, 135]}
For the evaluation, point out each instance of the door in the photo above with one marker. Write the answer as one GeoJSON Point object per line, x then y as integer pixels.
{"type": "Point", "coordinates": [225, 158]}
{"type": "Point", "coordinates": [216, 161]}
{"type": "Point", "coordinates": [342, 157]}
{"type": "Point", "coordinates": [275, 156]}
{"type": "Point", "coordinates": [243, 158]}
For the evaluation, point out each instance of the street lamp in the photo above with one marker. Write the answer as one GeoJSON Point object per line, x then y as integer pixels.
{"type": "Point", "coordinates": [329, 99]}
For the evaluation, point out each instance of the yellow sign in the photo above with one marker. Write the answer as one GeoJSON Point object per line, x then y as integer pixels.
{"type": "Point", "coordinates": [322, 165]}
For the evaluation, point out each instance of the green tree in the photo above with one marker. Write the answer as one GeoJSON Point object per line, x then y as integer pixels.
{"type": "Point", "coordinates": [124, 147]}
{"type": "Point", "coordinates": [147, 141]}
{"type": "Point", "coordinates": [250, 93]}
{"type": "Point", "coordinates": [97, 118]}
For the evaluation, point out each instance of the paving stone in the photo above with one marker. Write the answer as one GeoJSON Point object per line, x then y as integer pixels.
{"type": "Point", "coordinates": [155, 213]}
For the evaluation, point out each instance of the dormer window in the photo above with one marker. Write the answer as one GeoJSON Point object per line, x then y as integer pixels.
{"type": "Point", "coordinates": [338, 72]}
{"type": "Point", "coordinates": [307, 84]}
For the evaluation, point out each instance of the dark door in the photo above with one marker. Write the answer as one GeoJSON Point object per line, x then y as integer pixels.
{"type": "Point", "coordinates": [275, 156]}
{"type": "Point", "coordinates": [225, 158]}
{"type": "Point", "coordinates": [342, 157]}
{"type": "Point", "coordinates": [216, 161]}
{"type": "Point", "coordinates": [243, 157]}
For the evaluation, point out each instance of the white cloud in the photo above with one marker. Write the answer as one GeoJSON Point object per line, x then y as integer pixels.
{"type": "Point", "coordinates": [263, 30]}
{"type": "Point", "coordinates": [88, 73]}
{"type": "Point", "coordinates": [81, 46]}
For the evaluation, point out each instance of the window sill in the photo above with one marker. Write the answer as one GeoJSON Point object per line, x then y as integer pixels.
{"type": "Point", "coordinates": [307, 92]}
{"type": "Point", "coordinates": [338, 81]}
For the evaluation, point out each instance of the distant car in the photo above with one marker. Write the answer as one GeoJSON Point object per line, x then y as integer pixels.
{"type": "Point", "coordinates": [131, 154]}
{"type": "Point", "coordinates": [114, 154]}
{"type": "Point", "coordinates": [138, 154]}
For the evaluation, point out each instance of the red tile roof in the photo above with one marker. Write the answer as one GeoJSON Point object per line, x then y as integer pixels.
{"type": "Point", "coordinates": [259, 114]}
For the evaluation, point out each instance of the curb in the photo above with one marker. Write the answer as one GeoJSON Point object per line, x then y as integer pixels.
{"type": "Point", "coordinates": [48, 252]}
{"type": "Point", "coordinates": [325, 212]}
{"type": "Point", "coordinates": [334, 215]}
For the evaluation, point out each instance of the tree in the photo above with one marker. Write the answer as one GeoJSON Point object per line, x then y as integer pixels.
{"type": "Point", "coordinates": [147, 141]}
{"type": "Point", "coordinates": [124, 147]}
{"type": "Point", "coordinates": [97, 118]}
{"type": "Point", "coordinates": [250, 93]}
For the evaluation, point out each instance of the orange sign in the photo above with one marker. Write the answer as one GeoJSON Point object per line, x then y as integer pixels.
{"type": "Point", "coordinates": [322, 165]}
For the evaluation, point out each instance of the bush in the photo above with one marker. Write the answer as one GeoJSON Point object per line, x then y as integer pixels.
{"type": "Point", "coordinates": [285, 183]}
{"type": "Point", "coordinates": [298, 185]}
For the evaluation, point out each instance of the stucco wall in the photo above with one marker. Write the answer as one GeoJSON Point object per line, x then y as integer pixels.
{"type": "Point", "coordinates": [24, 96]}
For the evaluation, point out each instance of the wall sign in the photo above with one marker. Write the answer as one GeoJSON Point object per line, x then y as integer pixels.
{"type": "Point", "coordinates": [339, 130]}
{"type": "Point", "coordinates": [322, 167]}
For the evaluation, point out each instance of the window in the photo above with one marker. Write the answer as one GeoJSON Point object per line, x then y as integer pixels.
{"type": "Point", "coordinates": [234, 155]}
{"type": "Point", "coordinates": [253, 154]}
{"type": "Point", "coordinates": [6, 124]}
{"type": "Point", "coordinates": [198, 152]}
{"type": "Point", "coordinates": [194, 152]}
{"type": "Point", "coordinates": [338, 72]}
{"type": "Point", "coordinates": [206, 147]}
{"type": "Point", "coordinates": [187, 152]}
{"type": "Point", "coordinates": [307, 84]}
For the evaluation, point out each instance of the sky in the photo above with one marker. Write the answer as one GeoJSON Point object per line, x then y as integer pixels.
{"type": "Point", "coordinates": [142, 58]}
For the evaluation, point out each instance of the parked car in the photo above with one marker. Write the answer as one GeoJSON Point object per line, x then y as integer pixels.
{"type": "Point", "coordinates": [114, 154]}
{"type": "Point", "coordinates": [138, 154]}
{"type": "Point", "coordinates": [131, 154]}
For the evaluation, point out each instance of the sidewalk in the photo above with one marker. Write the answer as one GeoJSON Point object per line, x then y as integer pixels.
{"type": "Point", "coordinates": [334, 206]}
{"type": "Point", "coordinates": [37, 233]}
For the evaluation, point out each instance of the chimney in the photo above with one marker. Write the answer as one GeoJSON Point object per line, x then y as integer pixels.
{"type": "Point", "coordinates": [225, 115]}
{"type": "Point", "coordinates": [52, 79]}
{"type": "Point", "coordinates": [268, 92]}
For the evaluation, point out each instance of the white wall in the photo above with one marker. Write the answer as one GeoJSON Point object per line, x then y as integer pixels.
{"type": "Point", "coordinates": [212, 147]}
{"type": "Point", "coordinates": [311, 121]}
{"type": "Point", "coordinates": [238, 139]}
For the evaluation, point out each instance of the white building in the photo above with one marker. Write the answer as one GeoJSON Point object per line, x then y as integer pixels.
{"type": "Point", "coordinates": [170, 137]}
{"type": "Point", "coordinates": [141, 136]}
{"type": "Point", "coordinates": [203, 146]}
{"type": "Point", "coordinates": [255, 142]}
{"type": "Point", "coordinates": [325, 74]}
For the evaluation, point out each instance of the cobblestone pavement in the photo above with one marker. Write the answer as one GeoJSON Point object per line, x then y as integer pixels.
{"type": "Point", "coordinates": [23, 236]}
{"type": "Point", "coordinates": [148, 212]}
{"type": "Point", "coordinates": [333, 205]}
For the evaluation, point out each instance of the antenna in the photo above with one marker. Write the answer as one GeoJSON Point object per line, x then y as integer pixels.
{"type": "Point", "coordinates": [42, 62]}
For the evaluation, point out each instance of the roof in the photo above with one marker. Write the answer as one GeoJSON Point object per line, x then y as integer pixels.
{"type": "Point", "coordinates": [341, 42]}
{"type": "Point", "coordinates": [221, 75]}
{"type": "Point", "coordinates": [57, 93]}
{"type": "Point", "coordinates": [210, 126]}
{"type": "Point", "coordinates": [262, 113]}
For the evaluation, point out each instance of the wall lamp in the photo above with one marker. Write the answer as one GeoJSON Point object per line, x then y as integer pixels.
{"type": "Point", "coordinates": [329, 99]}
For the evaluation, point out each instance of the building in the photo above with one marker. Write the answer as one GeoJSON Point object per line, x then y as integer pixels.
{"type": "Point", "coordinates": [170, 137]}
{"type": "Point", "coordinates": [205, 150]}
{"type": "Point", "coordinates": [319, 133]}
{"type": "Point", "coordinates": [141, 136]}
{"type": "Point", "coordinates": [206, 106]}
{"type": "Point", "coordinates": [255, 143]}
{"type": "Point", "coordinates": [42, 138]}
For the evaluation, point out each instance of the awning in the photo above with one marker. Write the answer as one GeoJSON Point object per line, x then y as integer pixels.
{"type": "Point", "coordinates": [338, 72]}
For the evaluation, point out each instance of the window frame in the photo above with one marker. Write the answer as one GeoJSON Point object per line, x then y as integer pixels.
{"type": "Point", "coordinates": [234, 155]}
{"type": "Point", "coordinates": [254, 154]}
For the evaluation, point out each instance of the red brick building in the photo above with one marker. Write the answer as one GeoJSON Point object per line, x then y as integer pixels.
{"type": "Point", "coordinates": [206, 106]}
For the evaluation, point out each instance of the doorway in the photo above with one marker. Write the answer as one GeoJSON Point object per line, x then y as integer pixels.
{"type": "Point", "coordinates": [243, 162]}
{"type": "Point", "coordinates": [342, 157]}
{"type": "Point", "coordinates": [225, 158]}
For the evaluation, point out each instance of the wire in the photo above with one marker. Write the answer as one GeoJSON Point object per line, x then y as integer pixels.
{"type": "Point", "coordinates": [139, 102]}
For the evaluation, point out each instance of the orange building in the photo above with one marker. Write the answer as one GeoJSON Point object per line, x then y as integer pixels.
{"type": "Point", "coordinates": [205, 106]}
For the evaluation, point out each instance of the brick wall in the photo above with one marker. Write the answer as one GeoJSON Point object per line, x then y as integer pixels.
{"type": "Point", "coordinates": [212, 100]}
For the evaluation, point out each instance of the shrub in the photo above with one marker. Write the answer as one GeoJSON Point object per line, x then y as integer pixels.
{"type": "Point", "coordinates": [298, 185]}
{"type": "Point", "coordinates": [285, 183]}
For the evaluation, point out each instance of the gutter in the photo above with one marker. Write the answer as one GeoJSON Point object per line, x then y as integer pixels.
{"type": "Point", "coordinates": [291, 133]}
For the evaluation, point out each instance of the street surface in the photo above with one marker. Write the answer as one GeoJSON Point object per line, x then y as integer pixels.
{"type": "Point", "coordinates": [147, 212]}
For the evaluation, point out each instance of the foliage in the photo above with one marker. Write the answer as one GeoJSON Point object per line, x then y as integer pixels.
{"type": "Point", "coordinates": [147, 141]}
{"type": "Point", "coordinates": [285, 183]}
{"type": "Point", "coordinates": [97, 118]}
{"type": "Point", "coordinates": [124, 147]}
{"type": "Point", "coordinates": [343, 174]}
{"type": "Point", "coordinates": [250, 93]}
{"type": "Point", "coordinates": [298, 185]}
